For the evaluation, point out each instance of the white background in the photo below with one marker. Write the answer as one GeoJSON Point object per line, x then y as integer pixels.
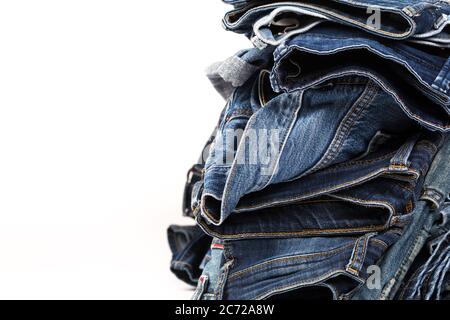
{"type": "Point", "coordinates": [103, 108]}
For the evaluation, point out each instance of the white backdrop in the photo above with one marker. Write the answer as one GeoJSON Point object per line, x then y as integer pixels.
{"type": "Point", "coordinates": [103, 108]}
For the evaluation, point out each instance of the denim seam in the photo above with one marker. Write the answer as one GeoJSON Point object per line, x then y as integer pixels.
{"type": "Point", "coordinates": [355, 113]}
{"type": "Point", "coordinates": [326, 11]}
{"type": "Point", "coordinates": [370, 203]}
{"type": "Point", "coordinates": [309, 256]}
{"type": "Point", "coordinates": [328, 189]}
{"type": "Point", "coordinates": [219, 290]}
{"type": "Point", "coordinates": [404, 153]}
{"type": "Point", "coordinates": [283, 51]}
{"type": "Point", "coordinates": [359, 254]}
{"type": "Point", "coordinates": [442, 78]}
{"type": "Point", "coordinates": [402, 104]}
{"type": "Point", "coordinates": [228, 265]}
{"type": "Point", "coordinates": [401, 271]}
{"type": "Point", "coordinates": [367, 46]}
{"type": "Point", "coordinates": [236, 116]}
{"type": "Point", "coordinates": [312, 232]}
{"type": "Point", "coordinates": [380, 242]}
{"type": "Point", "coordinates": [313, 281]}
{"type": "Point", "coordinates": [261, 94]}
{"type": "Point", "coordinates": [316, 282]}
{"type": "Point", "coordinates": [220, 168]}
{"type": "Point", "coordinates": [370, 49]}
{"type": "Point", "coordinates": [232, 173]}
{"type": "Point", "coordinates": [293, 119]}
{"type": "Point", "coordinates": [204, 210]}
{"type": "Point", "coordinates": [407, 284]}
{"type": "Point", "coordinates": [238, 112]}
{"type": "Point", "coordinates": [418, 8]}
{"type": "Point", "coordinates": [338, 166]}
{"type": "Point", "coordinates": [226, 110]}
{"type": "Point", "coordinates": [433, 195]}
{"type": "Point", "coordinates": [349, 266]}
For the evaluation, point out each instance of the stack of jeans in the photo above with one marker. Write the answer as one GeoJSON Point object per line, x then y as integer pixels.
{"type": "Point", "coordinates": [327, 175]}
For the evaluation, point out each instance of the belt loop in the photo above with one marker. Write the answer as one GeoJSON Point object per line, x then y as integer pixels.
{"type": "Point", "coordinates": [400, 161]}
{"type": "Point", "coordinates": [196, 196]}
{"type": "Point", "coordinates": [434, 196]}
{"type": "Point", "coordinates": [258, 43]}
{"type": "Point", "coordinates": [201, 286]}
{"type": "Point", "coordinates": [442, 81]}
{"type": "Point", "coordinates": [401, 221]}
{"type": "Point", "coordinates": [359, 254]}
{"type": "Point", "coordinates": [194, 176]}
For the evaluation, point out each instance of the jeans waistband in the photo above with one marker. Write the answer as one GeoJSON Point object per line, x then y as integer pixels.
{"type": "Point", "coordinates": [401, 20]}
{"type": "Point", "coordinates": [369, 195]}
{"type": "Point", "coordinates": [339, 265]}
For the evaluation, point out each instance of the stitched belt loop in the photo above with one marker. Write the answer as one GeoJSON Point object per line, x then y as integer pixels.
{"type": "Point", "coordinates": [442, 81]}
{"type": "Point", "coordinates": [194, 175]}
{"type": "Point", "coordinates": [400, 161]}
{"type": "Point", "coordinates": [359, 254]}
{"type": "Point", "coordinates": [201, 286]}
{"type": "Point", "coordinates": [401, 221]}
{"type": "Point", "coordinates": [434, 196]}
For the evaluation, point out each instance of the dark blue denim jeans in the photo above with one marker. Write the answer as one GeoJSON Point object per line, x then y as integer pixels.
{"type": "Point", "coordinates": [369, 194]}
{"type": "Point", "coordinates": [419, 80]}
{"type": "Point", "coordinates": [335, 123]}
{"type": "Point", "coordinates": [189, 245]}
{"type": "Point", "coordinates": [429, 277]}
{"type": "Point", "coordinates": [315, 267]}
{"type": "Point", "coordinates": [346, 120]}
{"type": "Point", "coordinates": [397, 265]}
{"type": "Point", "coordinates": [398, 19]}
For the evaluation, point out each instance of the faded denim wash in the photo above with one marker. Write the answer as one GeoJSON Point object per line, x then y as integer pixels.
{"type": "Point", "coordinates": [400, 19]}
{"type": "Point", "coordinates": [335, 123]}
{"type": "Point", "coordinates": [418, 80]}
{"type": "Point", "coordinates": [399, 259]}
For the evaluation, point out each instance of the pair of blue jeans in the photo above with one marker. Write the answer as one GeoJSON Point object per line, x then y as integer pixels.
{"type": "Point", "coordinates": [409, 262]}
{"type": "Point", "coordinates": [336, 122]}
{"type": "Point", "coordinates": [417, 80]}
{"type": "Point", "coordinates": [331, 268]}
{"type": "Point", "coordinates": [370, 194]}
{"type": "Point", "coordinates": [324, 267]}
{"type": "Point", "coordinates": [429, 277]}
{"type": "Point", "coordinates": [319, 164]}
{"type": "Point", "coordinates": [398, 20]}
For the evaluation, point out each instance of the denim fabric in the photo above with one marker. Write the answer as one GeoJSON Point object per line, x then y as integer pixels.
{"type": "Point", "coordinates": [398, 260]}
{"type": "Point", "coordinates": [400, 19]}
{"type": "Point", "coordinates": [245, 99]}
{"type": "Point", "coordinates": [232, 73]}
{"type": "Point", "coordinates": [212, 280]}
{"type": "Point", "coordinates": [266, 268]}
{"type": "Point", "coordinates": [285, 22]}
{"type": "Point", "coordinates": [418, 80]}
{"type": "Point", "coordinates": [431, 279]}
{"type": "Point", "coordinates": [366, 195]}
{"type": "Point", "coordinates": [189, 246]}
{"type": "Point", "coordinates": [330, 158]}
{"type": "Point", "coordinates": [303, 120]}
